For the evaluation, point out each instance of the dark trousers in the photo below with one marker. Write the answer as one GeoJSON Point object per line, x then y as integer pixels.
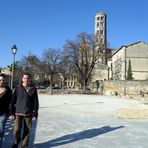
{"type": "Point", "coordinates": [22, 124]}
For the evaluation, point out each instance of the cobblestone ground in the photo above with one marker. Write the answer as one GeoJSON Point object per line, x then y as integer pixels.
{"type": "Point", "coordinates": [84, 121]}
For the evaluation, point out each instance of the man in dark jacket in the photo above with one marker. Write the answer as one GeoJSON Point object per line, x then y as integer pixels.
{"type": "Point", "coordinates": [23, 108]}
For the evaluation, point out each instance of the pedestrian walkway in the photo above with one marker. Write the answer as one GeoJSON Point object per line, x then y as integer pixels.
{"type": "Point", "coordinates": [85, 121]}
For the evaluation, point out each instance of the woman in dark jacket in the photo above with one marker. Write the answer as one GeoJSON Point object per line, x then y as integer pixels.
{"type": "Point", "coordinates": [5, 99]}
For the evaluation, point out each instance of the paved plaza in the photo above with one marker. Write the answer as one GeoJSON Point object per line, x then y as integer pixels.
{"type": "Point", "coordinates": [84, 121]}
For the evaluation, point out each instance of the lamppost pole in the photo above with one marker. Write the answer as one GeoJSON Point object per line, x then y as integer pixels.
{"type": "Point", "coordinates": [14, 50]}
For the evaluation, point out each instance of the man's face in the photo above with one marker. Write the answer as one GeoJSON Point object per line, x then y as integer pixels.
{"type": "Point", "coordinates": [26, 79]}
{"type": "Point", "coordinates": [1, 81]}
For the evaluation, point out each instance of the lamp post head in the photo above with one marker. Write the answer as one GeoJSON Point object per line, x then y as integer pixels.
{"type": "Point", "coordinates": [14, 49]}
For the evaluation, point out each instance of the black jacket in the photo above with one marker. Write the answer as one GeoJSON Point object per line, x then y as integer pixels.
{"type": "Point", "coordinates": [5, 99]}
{"type": "Point", "coordinates": [24, 102]}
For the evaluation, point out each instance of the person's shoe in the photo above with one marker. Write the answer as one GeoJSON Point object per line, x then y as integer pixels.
{"type": "Point", "coordinates": [14, 145]}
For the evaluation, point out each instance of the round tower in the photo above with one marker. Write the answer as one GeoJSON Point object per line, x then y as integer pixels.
{"type": "Point", "coordinates": [100, 34]}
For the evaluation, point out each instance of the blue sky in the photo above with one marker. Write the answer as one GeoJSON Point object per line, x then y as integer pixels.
{"type": "Point", "coordinates": [35, 25]}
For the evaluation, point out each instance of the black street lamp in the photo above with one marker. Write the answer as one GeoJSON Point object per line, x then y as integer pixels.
{"type": "Point", "coordinates": [14, 50]}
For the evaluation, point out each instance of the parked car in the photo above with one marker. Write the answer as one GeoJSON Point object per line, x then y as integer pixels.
{"type": "Point", "coordinates": [56, 86]}
{"type": "Point", "coordinates": [41, 87]}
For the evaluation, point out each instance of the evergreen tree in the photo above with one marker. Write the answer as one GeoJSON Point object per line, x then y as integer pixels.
{"type": "Point", "coordinates": [129, 72]}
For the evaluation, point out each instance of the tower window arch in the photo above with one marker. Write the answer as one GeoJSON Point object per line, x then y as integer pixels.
{"type": "Point", "coordinates": [101, 32]}
{"type": "Point", "coordinates": [98, 18]}
{"type": "Point", "coordinates": [102, 17]}
{"type": "Point", "coordinates": [97, 24]}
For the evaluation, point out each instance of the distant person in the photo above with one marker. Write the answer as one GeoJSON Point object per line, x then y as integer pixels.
{"type": "Point", "coordinates": [101, 87]}
{"type": "Point", "coordinates": [23, 109]}
{"type": "Point", "coordinates": [5, 99]}
{"type": "Point", "coordinates": [97, 85]}
{"type": "Point", "coordinates": [141, 93]}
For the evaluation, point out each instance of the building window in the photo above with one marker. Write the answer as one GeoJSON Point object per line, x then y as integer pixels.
{"type": "Point", "coordinates": [74, 83]}
{"type": "Point", "coordinates": [97, 32]}
{"type": "Point", "coordinates": [111, 66]}
{"type": "Point", "coordinates": [97, 24]}
{"type": "Point", "coordinates": [98, 18]}
{"type": "Point", "coordinates": [101, 23]}
{"type": "Point", "coordinates": [102, 18]}
{"type": "Point", "coordinates": [101, 32]}
{"type": "Point", "coordinates": [101, 41]}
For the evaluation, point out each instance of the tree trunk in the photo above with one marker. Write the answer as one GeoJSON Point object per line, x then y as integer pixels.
{"type": "Point", "coordinates": [51, 81]}
{"type": "Point", "coordinates": [84, 85]}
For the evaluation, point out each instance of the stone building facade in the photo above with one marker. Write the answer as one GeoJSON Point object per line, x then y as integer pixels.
{"type": "Point", "coordinates": [137, 53]}
{"type": "Point", "coordinates": [117, 61]}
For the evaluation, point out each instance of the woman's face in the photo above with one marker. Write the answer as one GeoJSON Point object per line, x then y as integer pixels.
{"type": "Point", "coordinates": [1, 81]}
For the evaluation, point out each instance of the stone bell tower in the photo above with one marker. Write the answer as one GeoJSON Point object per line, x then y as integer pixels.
{"type": "Point", "coordinates": [100, 36]}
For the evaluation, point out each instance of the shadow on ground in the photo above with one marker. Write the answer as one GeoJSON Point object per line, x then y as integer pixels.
{"type": "Point", "coordinates": [76, 136]}
{"type": "Point", "coordinates": [8, 136]}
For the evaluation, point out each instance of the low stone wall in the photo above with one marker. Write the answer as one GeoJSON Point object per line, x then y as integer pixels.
{"type": "Point", "coordinates": [125, 87]}
{"type": "Point", "coordinates": [132, 113]}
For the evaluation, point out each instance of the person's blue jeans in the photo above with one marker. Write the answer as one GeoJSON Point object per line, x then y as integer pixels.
{"type": "Point", "coordinates": [3, 120]}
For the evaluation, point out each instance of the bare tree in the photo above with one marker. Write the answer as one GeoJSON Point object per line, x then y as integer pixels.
{"type": "Point", "coordinates": [66, 67]}
{"type": "Point", "coordinates": [33, 65]}
{"type": "Point", "coordinates": [84, 54]}
{"type": "Point", "coordinates": [52, 58]}
{"type": "Point", "coordinates": [18, 70]}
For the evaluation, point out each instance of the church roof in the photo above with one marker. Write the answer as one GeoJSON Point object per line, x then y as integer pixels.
{"type": "Point", "coordinates": [127, 45]}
